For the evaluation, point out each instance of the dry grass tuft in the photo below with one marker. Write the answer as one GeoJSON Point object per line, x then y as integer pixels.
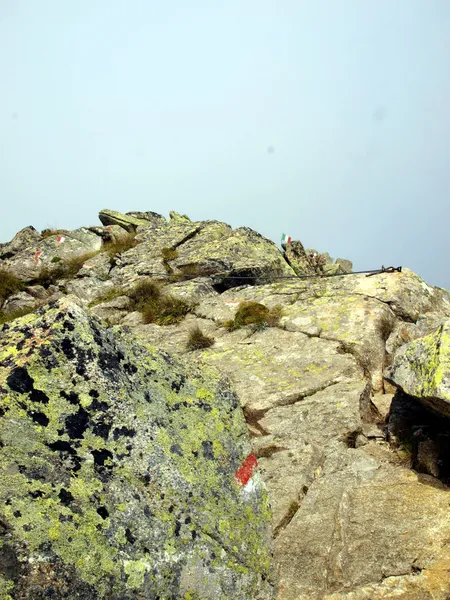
{"type": "Point", "coordinates": [157, 306]}
{"type": "Point", "coordinates": [114, 248]}
{"type": "Point", "coordinates": [197, 340]}
{"type": "Point", "coordinates": [9, 285]}
{"type": "Point", "coordinates": [255, 314]}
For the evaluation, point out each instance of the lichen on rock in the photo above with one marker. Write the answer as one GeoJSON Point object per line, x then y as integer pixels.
{"type": "Point", "coordinates": [117, 470]}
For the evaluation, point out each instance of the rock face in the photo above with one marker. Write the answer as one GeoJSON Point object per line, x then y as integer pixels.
{"type": "Point", "coordinates": [344, 396]}
{"type": "Point", "coordinates": [123, 473]}
{"type": "Point", "coordinates": [421, 369]}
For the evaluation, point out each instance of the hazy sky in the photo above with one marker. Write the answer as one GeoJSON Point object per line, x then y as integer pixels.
{"type": "Point", "coordinates": [327, 120]}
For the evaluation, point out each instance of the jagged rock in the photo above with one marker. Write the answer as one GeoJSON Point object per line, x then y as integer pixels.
{"type": "Point", "coordinates": [176, 217]}
{"type": "Point", "coordinates": [146, 216]}
{"type": "Point", "coordinates": [18, 302]}
{"type": "Point", "coordinates": [297, 257]}
{"type": "Point", "coordinates": [421, 369]}
{"type": "Point", "coordinates": [346, 265]}
{"type": "Point", "coordinates": [355, 474]}
{"type": "Point", "coordinates": [24, 238]}
{"type": "Point", "coordinates": [111, 233]}
{"type": "Point", "coordinates": [242, 255]}
{"type": "Point", "coordinates": [335, 269]}
{"type": "Point", "coordinates": [128, 222]}
{"type": "Point", "coordinates": [123, 473]}
{"type": "Point", "coordinates": [48, 253]}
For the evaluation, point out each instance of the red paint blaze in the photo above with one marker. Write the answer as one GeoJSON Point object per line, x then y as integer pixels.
{"type": "Point", "coordinates": [109, 228]}
{"type": "Point", "coordinates": [37, 255]}
{"type": "Point", "coordinates": [246, 470]}
{"type": "Point", "coordinates": [59, 239]}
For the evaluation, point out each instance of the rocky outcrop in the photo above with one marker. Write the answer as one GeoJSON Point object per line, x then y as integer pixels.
{"type": "Point", "coordinates": [421, 368]}
{"type": "Point", "coordinates": [124, 474]}
{"type": "Point", "coordinates": [336, 392]}
{"type": "Point", "coordinates": [128, 222]}
{"type": "Point", "coordinates": [28, 263]}
{"type": "Point", "coordinates": [24, 238]}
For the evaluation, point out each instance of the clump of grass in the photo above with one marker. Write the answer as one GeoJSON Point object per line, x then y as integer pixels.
{"type": "Point", "coordinates": [9, 285]}
{"type": "Point", "coordinates": [118, 247]}
{"type": "Point", "coordinates": [16, 314]}
{"type": "Point", "coordinates": [169, 254]}
{"type": "Point", "coordinates": [64, 269]}
{"type": "Point", "coordinates": [46, 233]}
{"type": "Point", "coordinates": [197, 340]}
{"type": "Point", "coordinates": [108, 296]}
{"type": "Point", "coordinates": [255, 314]}
{"type": "Point", "coordinates": [157, 307]}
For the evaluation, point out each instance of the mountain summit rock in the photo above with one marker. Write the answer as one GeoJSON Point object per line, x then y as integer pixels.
{"type": "Point", "coordinates": [302, 453]}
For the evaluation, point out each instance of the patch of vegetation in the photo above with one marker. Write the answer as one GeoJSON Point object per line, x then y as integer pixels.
{"type": "Point", "coordinates": [108, 296]}
{"type": "Point", "coordinates": [16, 314]}
{"type": "Point", "coordinates": [255, 314]}
{"type": "Point", "coordinates": [197, 340]}
{"type": "Point", "coordinates": [156, 306]}
{"type": "Point", "coordinates": [113, 248]}
{"type": "Point", "coordinates": [65, 269]}
{"type": "Point", "coordinates": [9, 285]}
{"type": "Point", "coordinates": [169, 254]}
{"type": "Point", "coordinates": [46, 233]}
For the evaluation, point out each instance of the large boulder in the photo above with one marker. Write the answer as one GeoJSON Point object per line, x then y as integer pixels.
{"type": "Point", "coordinates": [24, 238]}
{"type": "Point", "coordinates": [128, 222]}
{"type": "Point", "coordinates": [123, 474]}
{"type": "Point", "coordinates": [421, 368]}
{"type": "Point", "coordinates": [240, 256]}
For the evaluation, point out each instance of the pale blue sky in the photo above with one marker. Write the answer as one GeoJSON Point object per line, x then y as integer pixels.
{"type": "Point", "coordinates": [145, 105]}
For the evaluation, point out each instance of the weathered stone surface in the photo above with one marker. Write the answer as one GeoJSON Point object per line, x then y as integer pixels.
{"type": "Point", "coordinates": [242, 256]}
{"type": "Point", "coordinates": [24, 238]}
{"type": "Point", "coordinates": [297, 257]}
{"type": "Point", "coordinates": [30, 261]}
{"type": "Point", "coordinates": [118, 470]}
{"type": "Point", "coordinates": [356, 475]}
{"type": "Point", "coordinates": [146, 216]}
{"type": "Point", "coordinates": [177, 217]}
{"type": "Point", "coordinates": [346, 265]}
{"type": "Point", "coordinates": [421, 369]}
{"type": "Point", "coordinates": [112, 311]}
{"type": "Point", "coordinates": [112, 217]}
{"type": "Point", "coordinates": [18, 302]}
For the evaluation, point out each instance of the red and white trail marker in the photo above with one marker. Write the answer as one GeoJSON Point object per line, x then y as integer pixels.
{"type": "Point", "coordinates": [38, 255]}
{"type": "Point", "coordinates": [60, 239]}
{"type": "Point", "coordinates": [108, 227]}
{"type": "Point", "coordinates": [246, 471]}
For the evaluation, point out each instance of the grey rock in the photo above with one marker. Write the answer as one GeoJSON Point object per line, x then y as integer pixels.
{"type": "Point", "coordinates": [123, 470]}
